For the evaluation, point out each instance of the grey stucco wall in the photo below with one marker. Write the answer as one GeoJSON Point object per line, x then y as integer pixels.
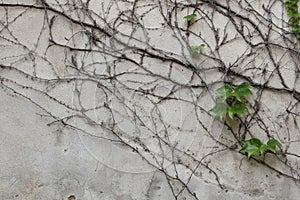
{"type": "Point", "coordinates": [103, 100]}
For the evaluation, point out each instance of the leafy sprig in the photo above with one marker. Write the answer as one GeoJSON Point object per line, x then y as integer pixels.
{"type": "Point", "coordinates": [232, 101]}
{"type": "Point", "coordinates": [197, 49]}
{"type": "Point", "coordinates": [254, 147]}
{"type": "Point", "coordinates": [190, 17]}
{"type": "Point", "coordinates": [292, 10]}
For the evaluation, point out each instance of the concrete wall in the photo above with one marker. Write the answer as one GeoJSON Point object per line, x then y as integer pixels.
{"type": "Point", "coordinates": [103, 100]}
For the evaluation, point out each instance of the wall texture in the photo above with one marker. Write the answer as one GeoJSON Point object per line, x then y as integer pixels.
{"type": "Point", "coordinates": [103, 100]}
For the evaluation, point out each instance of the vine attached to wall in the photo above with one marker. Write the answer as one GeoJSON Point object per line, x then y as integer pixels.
{"type": "Point", "coordinates": [134, 54]}
{"type": "Point", "coordinates": [292, 10]}
{"type": "Point", "coordinates": [233, 103]}
{"type": "Point", "coordinates": [254, 146]}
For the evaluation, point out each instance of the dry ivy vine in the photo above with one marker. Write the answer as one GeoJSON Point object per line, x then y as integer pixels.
{"type": "Point", "coordinates": [135, 51]}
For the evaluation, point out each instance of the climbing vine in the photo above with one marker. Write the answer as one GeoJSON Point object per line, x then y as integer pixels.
{"type": "Point", "coordinates": [292, 10]}
{"type": "Point", "coordinates": [254, 146]}
{"type": "Point", "coordinates": [233, 102]}
{"type": "Point", "coordinates": [140, 77]}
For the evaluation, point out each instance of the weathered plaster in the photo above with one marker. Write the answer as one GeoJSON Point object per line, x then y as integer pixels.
{"type": "Point", "coordinates": [104, 101]}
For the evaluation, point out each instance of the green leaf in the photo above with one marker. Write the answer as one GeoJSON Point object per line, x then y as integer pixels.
{"type": "Point", "coordinates": [238, 108]}
{"type": "Point", "coordinates": [291, 4]}
{"type": "Point", "coordinates": [219, 110]}
{"type": "Point", "coordinates": [292, 20]}
{"type": "Point", "coordinates": [255, 146]}
{"type": "Point", "coordinates": [295, 29]}
{"type": "Point", "coordinates": [197, 49]}
{"type": "Point", "coordinates": [287, 3]}
{"type": "Point", "coordinates": [272, 145]}
{"type": "Point", "coordinates": [250, 149]}
{"type": "Point", "coordinates": [224, 92]}
{"type": "Point", "coordinates": [190, 17]}
{"type": "Point", "coordinates": [241, 91]}
{"type": "Point", "coordinates": [296, 15]}
{"type": "Point", "coordinates": [255, 141]}
{"type": "Point", "coordinates": [262, 149]}
{"type": "Point", "coordinates": [290, 12]}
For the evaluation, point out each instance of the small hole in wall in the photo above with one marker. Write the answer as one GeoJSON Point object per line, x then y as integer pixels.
{"type": "Point", "coordinates": [72, 197]}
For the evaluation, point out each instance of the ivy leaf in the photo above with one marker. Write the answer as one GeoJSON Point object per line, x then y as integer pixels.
{"type": "Point", "coordinates": [296, 15]}
{"type": "Point", "coordinates": [295, 29]}
{"type": "Point", "coordinates": [263, 148]}
{"type": "Point", "coordinates": [238, 108]}
{"type": "Point", "coordinates": [252, 147]}
{"type": "Point", "coordinates": [287, 4]}
{"type": "Point", "coordinates": [190, 17]}
{"type": "Point", "coordinates": [224, 92]}
{"type": "Point", "coordinates": [292, 20]}
{"type": "Point", "coordinates": [197, 49]}
{"type": "Point", "coordinates": [241, 91]}
{"type": "Point", "coordinates": [255, 141]}
{"type": "Point", "coordinates": [249, 148]}
{"type": "Point", "coordinates": [219, 110]}
{"type": "Point", "coordinates": [272, 145]}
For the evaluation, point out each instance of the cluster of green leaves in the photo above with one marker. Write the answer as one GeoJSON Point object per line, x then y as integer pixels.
{"type": "Point", "coordinates": [254, 146]}
{"type": "Point", "coordinates": [190, 17]}
{"type": "Point", "coordinates": [232, 101]}
{"type": "Point", "coordinates": [292, 10]}
{"type": "Point", "coordinates": [197, 49]}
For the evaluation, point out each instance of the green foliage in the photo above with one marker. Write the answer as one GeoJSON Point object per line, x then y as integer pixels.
{"type": "Point", "coordinates": [241, 91]}
{"type": "Point", "coordinates": [292, 10]}
{"type": "Point", "coordinates": [233, 104]}
{"type": "Point", "coordinates": [238, 108]}
{"type": "Point", "coordinates": [190, 17]}
{"type": "Point", "coordinates": [197, 49]}
{"type": "Point", "coordinates": [224, 92]}
{"type": "Point", "coordinates": [219, 110]}
{"type": "Point", "coordinates": [232, 101]}
{"type": "Point", "coordinates": [254, 146]}
{"type": "Point", "coordinates": [272, 145]}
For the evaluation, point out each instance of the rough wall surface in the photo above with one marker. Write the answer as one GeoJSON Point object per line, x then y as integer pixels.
{"type": "Point", "coordinates": [103, 100]}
